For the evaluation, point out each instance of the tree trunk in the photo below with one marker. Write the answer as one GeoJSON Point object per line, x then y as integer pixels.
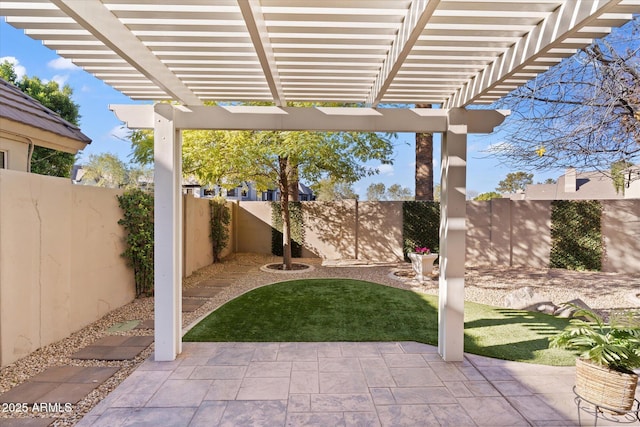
{"type": "Point", "coordinates": [424, 163]}
{"type": "Point", "coordinates": [286, 218]}
{"type": "Point", "coordinates": [292, 174]}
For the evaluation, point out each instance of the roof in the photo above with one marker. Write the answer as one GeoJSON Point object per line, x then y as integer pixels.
{"type": "Point", "coordinates": [22, 115]}
{"type": "Point", "coordinates": [589, 186]}
{"type": "Point", "coordinates": [448, 52]}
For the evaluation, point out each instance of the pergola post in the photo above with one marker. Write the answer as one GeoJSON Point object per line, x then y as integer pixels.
{"type": "Point", "coordinates": [452, 237]}
{"type": "Point", "coordinates": [167, 153]}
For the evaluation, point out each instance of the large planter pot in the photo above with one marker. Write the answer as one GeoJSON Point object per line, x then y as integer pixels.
{"type": "Point", "coordinates": [605, 387]}
{"type": "Point", "coordinates": [422, 264]}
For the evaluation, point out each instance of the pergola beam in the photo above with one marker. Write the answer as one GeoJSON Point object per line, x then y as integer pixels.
{"type": "Point", "coordinates": [418, 15]}
{"type": "Point", "coordinates": [254, 19]}
{"type": "Point", "coordinates": [563, 23]}
{"type": "Point", "coordinates": [326, 119]}
{"type": "Point", "coordinates": [103, 25]}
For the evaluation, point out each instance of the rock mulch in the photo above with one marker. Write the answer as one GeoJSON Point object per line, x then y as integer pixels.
{"type": "Point", "coordinates": [240, 273]}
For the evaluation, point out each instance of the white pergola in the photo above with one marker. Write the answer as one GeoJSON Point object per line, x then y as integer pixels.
{"type": "Point", "coordinates": [453, 53]}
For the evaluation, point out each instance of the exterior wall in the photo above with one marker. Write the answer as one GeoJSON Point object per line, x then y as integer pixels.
{"type": "Point", "coordinates": [253, 228]}
{"type": "Point", "coordinates": [330, 229]}
{"type": "Point", "coordinates": [17, 151]}
{"type": "Point", "coordinates": [531, 233]}
{"type": "Point", "coordinates": [60, 263]}
{"type": "Point", "coordinates": [621, 235]}
{"type": "Point", "coordinates": [197, 243]}
{"type": "Point", "coordinates": [380, 231]}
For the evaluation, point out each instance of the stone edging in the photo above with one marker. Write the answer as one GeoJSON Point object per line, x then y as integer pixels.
{"type": "Point", "coordinates": [271, 270]}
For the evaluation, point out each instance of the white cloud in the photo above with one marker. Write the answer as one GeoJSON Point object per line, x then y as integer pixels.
{"type": "Point", "coordinates": [385, 170]}
{"type": "Point", "coordinates": [61, 79]}
{"type": "Point", "coordinates": [62, 64]}
{"type": "Point", "coordinates": [19, 69]}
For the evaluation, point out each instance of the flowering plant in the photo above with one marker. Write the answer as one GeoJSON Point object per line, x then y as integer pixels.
{"type": "Point", "coordinates": [422, 251]}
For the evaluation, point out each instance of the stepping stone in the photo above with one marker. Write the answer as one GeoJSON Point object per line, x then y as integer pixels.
{"type": "Point", "coordinates": [189, 305]}
{"type": "Point", "coordinates": [215, 283]}
{"type": "Point", "coordinates": [146, 324]}
{"type": "Point", "coordinates": [62, 384]}
{"type": "Point", "coordinates": [124, 326]}
{"type": "Point", "coordinates": [203, 291]}
{"type": "Point", "coordinates": [114, 347]}
{"type": "Point", "coordinates": [27, 422]}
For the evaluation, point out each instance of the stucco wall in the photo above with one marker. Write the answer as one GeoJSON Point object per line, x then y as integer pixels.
{"type": "Point", "coordinates": [252, 231]}
{"type": "Point", "coordinates": [60, 264]}
{"type": "Point", "coordinates": [330, 229]}
{"type": "Point", "coordinates": [380, 231]}
{"type": "Point", "coordinates": [17, 150]}
{"type": "Point", "coordinates": [621, 235]}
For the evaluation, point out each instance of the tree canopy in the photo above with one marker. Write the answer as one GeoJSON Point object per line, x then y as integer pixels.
{"type": "Point", "coordinates": [395, 192]}
{"type": "Point", "coordinates": [514, 181]}
{"type": "Point", "coordinates": [46, 161]}
{"type": "Point", "coordinates": [107, 170]}
{"type": "Point", "coordinates": [583, 113]}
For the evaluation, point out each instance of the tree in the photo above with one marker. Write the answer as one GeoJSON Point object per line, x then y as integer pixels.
{"type": "Point", "coordinates": [266, 158]}
{"type": "Point", "coordinates": [514, 181]}
{"type": "Point", "coordinates": [488, 196]}
{"type": "Point", "coordinates": [107, 170]}
{"type": "Point", "coordinates": [46, 161]}
{"type": "Point", "coordinates": [329, 189]}
{"type": "Point", "coordinates": [379, 192]}
{"type": "Point", "coordinates": [424, 163]}
{"type": "Point", "coordinates": [583, 113]}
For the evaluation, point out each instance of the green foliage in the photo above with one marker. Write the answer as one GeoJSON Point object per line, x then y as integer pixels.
{"type": "Point", "coordinates": [420, 225]}
{"type": "Point", "coordinates": [137, 221]}
{"type": "Point", "coordinates": [618, 170]}
{"type": "Point", "coordinates": [576, 237]}
{"type": "Point", "coordinates": [488, 196]}
{"type": "Point", "coordinates": [615, 345]}
{"type": "Point", "coordinates": [220, 220]}
{"type": "Point", "coordinates": [328, 189]}
{"type": "Point", "coordinates": [297, 229]}
{"type": "Point", "coordinates": [378, 192]}
{"type": "Point", "coordinates": [45, 161]}
{"type": "Point", "coordinates": [514, 181]}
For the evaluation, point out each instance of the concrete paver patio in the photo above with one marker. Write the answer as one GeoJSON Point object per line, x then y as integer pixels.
{"type": "Point", "coordinates": [336, 384]}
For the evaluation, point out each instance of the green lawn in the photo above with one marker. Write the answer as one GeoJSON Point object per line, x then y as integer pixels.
{"type": "Point", "coordinates": [352, 310]}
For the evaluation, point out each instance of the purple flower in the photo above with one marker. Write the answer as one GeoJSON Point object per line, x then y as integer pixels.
{"type": "Point", "coordinates": [423, 251]}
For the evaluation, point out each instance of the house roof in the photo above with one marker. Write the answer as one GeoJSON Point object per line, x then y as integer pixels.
{"type": "Point", "coordinates": [589, 186]}
{"type": "Point", "coordinates": [25, 117]}
{"type": "Point", "coordinates": [448, 52]}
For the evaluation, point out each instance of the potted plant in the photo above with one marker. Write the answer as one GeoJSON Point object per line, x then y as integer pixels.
{"type": "Point", "coordinates": [422, 261]}
{"type": "Point", "coordinates": [609, 352]}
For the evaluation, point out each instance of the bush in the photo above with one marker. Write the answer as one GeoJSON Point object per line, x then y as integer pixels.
{"type": "Point", "coordinates": [137, 207]}
{"type": "Point", "coordinates": [297, 229]}
{"type": "Point", "coordinates": [420, 226]}
{"type": "Point", "coordinates": [220, 220]}
{"type": "Point", "coordinates": [576, 237]}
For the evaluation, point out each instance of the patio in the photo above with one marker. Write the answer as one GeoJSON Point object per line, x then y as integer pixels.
{"type": "Point", "coordinates": [297, 383]}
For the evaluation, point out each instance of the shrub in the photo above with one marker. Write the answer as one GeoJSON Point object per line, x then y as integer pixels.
{"type": "Point", "coordinates": [220, 220]}
{"type": "Point", "coordinates": [420, 225]}
{"type": "Point", "coordinates": [137, 207]}
{"type": "Point", "coordinates": [576, 237]}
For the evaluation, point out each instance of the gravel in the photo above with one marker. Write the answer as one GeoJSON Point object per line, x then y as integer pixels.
{"type": "Point", "coordinates": [489, 285]}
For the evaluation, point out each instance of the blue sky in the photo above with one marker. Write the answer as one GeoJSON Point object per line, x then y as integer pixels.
{"type": "Point", "coordinates": [101, 125]}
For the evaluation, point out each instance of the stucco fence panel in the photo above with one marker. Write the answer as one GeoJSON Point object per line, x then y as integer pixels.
{"type": "Point", "coordinates": [60, 263]}
{"type": "Point", "coordinates": [621, 235]}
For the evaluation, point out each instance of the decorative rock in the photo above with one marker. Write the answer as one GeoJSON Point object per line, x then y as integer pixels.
{"type": "Point", "coordinates": [567, 311]}
{"type": "Point", "coordinates": [546, 307]}
{"type": "Point", "coordinates": [523, 298]}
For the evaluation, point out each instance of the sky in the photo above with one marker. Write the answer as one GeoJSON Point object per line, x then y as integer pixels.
{"type": "Point", "coordinates": [32, 58]}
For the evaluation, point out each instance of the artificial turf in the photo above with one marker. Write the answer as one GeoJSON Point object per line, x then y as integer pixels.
{"type": "Point", "coordinates": [313, 310]}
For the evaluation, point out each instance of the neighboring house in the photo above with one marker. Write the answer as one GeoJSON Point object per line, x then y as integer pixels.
{"type": "Point", "coordinates": [574, 185]}
{"type": "Point", "coordinates": [25, 123]}
{"type": "Point", "coordinates": [246, 192]}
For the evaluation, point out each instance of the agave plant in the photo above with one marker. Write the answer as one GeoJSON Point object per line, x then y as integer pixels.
{"type": "Point", "coordinates": [615, 344]}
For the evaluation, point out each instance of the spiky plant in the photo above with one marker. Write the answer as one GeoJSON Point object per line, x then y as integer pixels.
{"type": "Point", "coordinates": [615, 344]}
